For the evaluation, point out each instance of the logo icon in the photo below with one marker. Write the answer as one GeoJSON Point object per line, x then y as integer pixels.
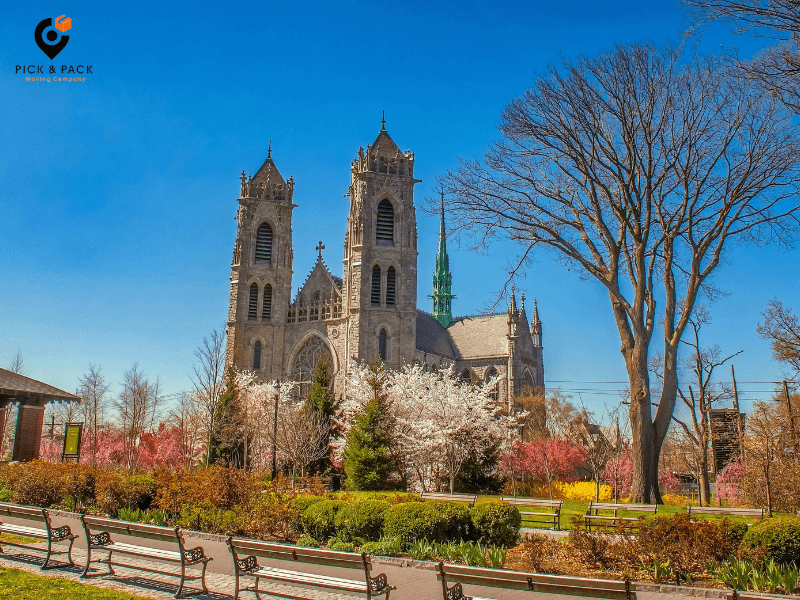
{"type": "Point", "coordinates": [52, 39]}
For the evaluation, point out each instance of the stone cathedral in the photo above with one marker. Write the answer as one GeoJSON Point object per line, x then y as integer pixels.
{"type": "Point", "coordinates": [371, 311]}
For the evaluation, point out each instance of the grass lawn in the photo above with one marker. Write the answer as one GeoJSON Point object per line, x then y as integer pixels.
{"type": "Point", "coordinates": [27, 586]}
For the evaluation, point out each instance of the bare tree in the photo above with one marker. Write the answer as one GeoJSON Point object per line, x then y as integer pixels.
{"type": "Point", "coordinates": [302, 436]}
{"type": "Point", "coordinates": [17, 364]}
{"type": "Point", "coordinates": [185, 417]}
{"type": "Point", "coordinates": [781, 328]}
{"type": "Point", "coordinates": [93, 390]}
{"type": "Point", "coordinates": [639, 169]}
{"type": "Point", "coordinates": [599, 449]}
{"type": "Point", "coordinates": [702, 363]}
{"type": "Point", "coordinates": [208, 383]}
{"type": "Point", "coordinates": [777, 66]}
{"type": "Point", "coordinates": [138, 407]}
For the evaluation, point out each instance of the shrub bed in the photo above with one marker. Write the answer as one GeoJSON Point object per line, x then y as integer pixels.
{"type": "Point", "coordinates": [776, 539]}
{"type": "Point", "coordinates": [319, 519]}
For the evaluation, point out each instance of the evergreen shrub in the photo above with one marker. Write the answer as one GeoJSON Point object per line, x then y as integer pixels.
{"type": "Point", "coordinates": [379, 549]}
{"type": "Point", "coordinates": [319, 519]}
{"type": "Point", "coordinates": [308, 542]}
{"type": "Point", "coordinates": [436, 521]}
{"type": "Point", "coordinates": [361, 519]}
{"type": "Point", "coordinates": [496, 523]}
{"type": "Point", "coordinates": [455, 517]}
{"type": "Point", "coordinates": [776, 539]}
{"type": "Point", "coordinates": [343, 546]}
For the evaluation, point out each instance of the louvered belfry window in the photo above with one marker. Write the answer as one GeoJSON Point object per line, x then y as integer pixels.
{"type": "Point", "coordinates": [252, 307]}
{"type": "Point", "coordinates": [376, 284]}
{"type": "Point", "coordinates": [383, 337]}
{"type": "Point", "coordinates": [384, 235]}
{"type": "Point", "coordinates": [391, 285]}
{"type": "Point", "coordinates": [264, 243]}
{"type": "Point", "coordinates": [266, 304]}
{"type": "Point", "coordinates": [257, 357]}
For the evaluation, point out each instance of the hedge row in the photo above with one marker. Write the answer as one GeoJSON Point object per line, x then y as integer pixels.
{"type": "Point", "coordinates": [495, 522]}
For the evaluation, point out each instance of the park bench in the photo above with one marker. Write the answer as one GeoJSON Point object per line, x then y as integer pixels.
{"type": "Point", "coordinates": [758, 513]}
{"type": "Point", "coordinates": [468, 498]}
{"type": "Point", "coordinates": [245, 554]}
{"type": "Point", "coordinates": [102, 540]}
{"type": "Point", "coordinates": [592, 518]}
{"type": "Point", "coordinates": [534, 582]}
{"type": "Point", "coordinates": [52, 535]}
{"type": "Point", "coordinates": [554, 516]}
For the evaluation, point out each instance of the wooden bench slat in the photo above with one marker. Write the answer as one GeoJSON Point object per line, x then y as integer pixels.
{"type": "Point", "coordinates": [23, 530]}
{"type": "Point", "coordinates": [534, 502]}
{"type": "Point", "coordinates": [143, 551]}
{"type": "Point", "coordinates": [311, 578]}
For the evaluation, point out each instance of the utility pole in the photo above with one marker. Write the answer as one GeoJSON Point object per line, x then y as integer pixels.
{"type": "Point", "coordinates": [739, 429]}
{"type": "Point", "coordinates": [791, 419]}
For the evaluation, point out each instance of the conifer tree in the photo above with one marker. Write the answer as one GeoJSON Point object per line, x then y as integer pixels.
{"type": "Point", "coordinates": [367, 462]}
{"type": "Point", "coordinates": [319, 397]}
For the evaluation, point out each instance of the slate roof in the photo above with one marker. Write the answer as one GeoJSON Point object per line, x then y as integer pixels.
{"type": "Point", "coordinates": [268, 169]}
{"type": "Point", "coordinates": [384, 144]}
{"type": "Point", "coordinates": [433, 338]}
{"type": "Point", "coordinates": [14, 384]}
{"type": "Point", "coordinates": [478, 337]}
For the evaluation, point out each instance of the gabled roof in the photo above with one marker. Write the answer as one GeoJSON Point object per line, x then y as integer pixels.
{"type": "Point", "coordinates": [19, 386]}
{"type": "Point", "coordinates": [322, 269]}
{"type": "Point", "coordinates": [482, 336]}
{"type": "Point", "coordinates": [433, 338]}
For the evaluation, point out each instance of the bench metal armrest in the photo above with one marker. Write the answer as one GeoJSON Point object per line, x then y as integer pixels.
{"type": "Point", "coordinates": [379, 583]}
{"type": "Point", "coordinates": [194, 555]}
{"type": "Point", "coordinates": [248, 564]}
{"type": "Point", "coordinates": [100, 539]}
{"type": "Point", "coordinates": [61, 533]}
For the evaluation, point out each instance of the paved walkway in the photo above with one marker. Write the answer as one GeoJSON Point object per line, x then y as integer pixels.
{"type": "Point", "coordinates": [414, 580]}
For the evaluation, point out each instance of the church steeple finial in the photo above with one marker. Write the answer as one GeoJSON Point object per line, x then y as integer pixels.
{"type": "Point", "coordinates": [442, 279]}
{"type": "Point", "coordinates": [269, 151]}
{"type": "Point", "coordinates": [383, 120]}
{"type": "Point", "coordinates": [536, 325]}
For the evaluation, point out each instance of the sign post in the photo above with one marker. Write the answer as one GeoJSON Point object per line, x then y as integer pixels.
{"type": "Point", "coordinates": [72, 441]}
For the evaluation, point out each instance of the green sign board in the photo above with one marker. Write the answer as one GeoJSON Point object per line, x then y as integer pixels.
{"type": "Point", "coordinates": [72, 440]}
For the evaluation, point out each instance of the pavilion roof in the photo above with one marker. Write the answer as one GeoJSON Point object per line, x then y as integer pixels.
{"type": "Point", "coordinates": [19, 387]}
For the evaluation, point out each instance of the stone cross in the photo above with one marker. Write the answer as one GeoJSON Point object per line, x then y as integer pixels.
{"type": "Point", "coordinates": [320, 247]}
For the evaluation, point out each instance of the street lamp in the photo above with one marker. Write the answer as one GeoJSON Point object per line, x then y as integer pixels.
{"type": "Point", "coordinates": [276, 388]}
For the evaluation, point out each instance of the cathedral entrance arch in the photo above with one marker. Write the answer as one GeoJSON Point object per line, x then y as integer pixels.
{"type": "Point", "coordinates": [303, 361]}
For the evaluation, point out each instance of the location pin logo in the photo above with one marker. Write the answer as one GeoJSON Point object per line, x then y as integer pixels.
{"type": "Point", "coordinates": [52, 39]}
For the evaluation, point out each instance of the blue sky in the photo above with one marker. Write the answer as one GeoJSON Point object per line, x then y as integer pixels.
{"type": "Point", "coordinates": [118, 194]}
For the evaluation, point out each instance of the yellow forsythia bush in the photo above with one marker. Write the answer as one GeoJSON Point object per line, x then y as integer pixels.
{"type": "Point", "coordinates": [582, 490]}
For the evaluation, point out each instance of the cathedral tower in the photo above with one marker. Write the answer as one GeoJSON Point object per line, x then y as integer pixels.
{"type": "Point", "coordinates": [380, 256]}
{"type": "Point", "coordinates": [261, 272]}
{"type": "Point", "coordinates": [442, 280]}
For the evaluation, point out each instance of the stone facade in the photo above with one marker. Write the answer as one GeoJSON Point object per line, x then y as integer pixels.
{"type": "Point", "coordinates": [371, 312]}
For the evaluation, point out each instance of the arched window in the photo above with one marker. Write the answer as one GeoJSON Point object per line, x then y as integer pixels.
{"type": "Point", "coordinates": [466, 375]}
{"type": "Point", "coordinates": [257, 357]}
{"type": "Point", "coordinates": [383, 338]}
{"type": "Point", "coordinates": [376, 285]}
{"type": "Point", "coordinates": [494, 394]}
{"type": "Point", "coordinates": [252, 309]}
{"type": "Point", "coordinates": [391, 285]}
{"type": "Point", "coordinates": [266, 303]}
{"type": "Point", "coordinates": [264, 243]}
{"type": "Point", "coordinates": [384, 234]}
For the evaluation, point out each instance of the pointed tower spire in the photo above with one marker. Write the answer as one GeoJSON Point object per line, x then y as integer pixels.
{"type": "Point", "coordinates": [383, 120]}
{"type": "Point", "coordinates": [269, 151]}
{"type": "Point", "coordinates": [442, 279]}
{"type": "Point", "coordinates": [536, 325]}
{"type": "Point", "coordinates": [512, 307]}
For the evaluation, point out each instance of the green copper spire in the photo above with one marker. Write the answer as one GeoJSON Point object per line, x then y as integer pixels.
{"type": "Point", "coordinates": [442, 280]}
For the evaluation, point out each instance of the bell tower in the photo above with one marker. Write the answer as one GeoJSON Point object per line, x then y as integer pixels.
{"type": "Point", "coordinates": [261, 272]}
{"type": "Point", "coordinates": [380, 255]}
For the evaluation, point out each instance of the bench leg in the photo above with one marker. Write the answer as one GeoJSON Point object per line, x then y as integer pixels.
{"type": "Point", "coordinates": [235, 585]}
{"type": "Point", "coordinates": [203, 577]}
{"type": "Point", "coordinates": [88, 561]}
{"type": "Point", "coordinates": [183, 575]}
{"type": "Point", "coordinates": [69, 552]}
{"type": "Point", "coordinates": [49, 552]}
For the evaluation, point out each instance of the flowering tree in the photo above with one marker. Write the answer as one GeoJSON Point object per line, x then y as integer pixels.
{"type": "Point", "coordinates": [729, 481]}
{"type": "Point", "coordinates": [545, 460]}
{"type": "Point", "coordinates": [434, 420]}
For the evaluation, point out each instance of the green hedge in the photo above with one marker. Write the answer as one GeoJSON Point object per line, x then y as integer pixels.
{"type": "Point", "coordinates": [496, 523]}
{"type": "Point", "coordinates": [361, 519]}
{"type": "Point", "coordinates": [434, 521]}
{"type": "Point", "coordinates": [455, 517]}
{"type": "Point", "coordinates": [319, 519]}
{"type": "Point", "coordinates": [777, 539]}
